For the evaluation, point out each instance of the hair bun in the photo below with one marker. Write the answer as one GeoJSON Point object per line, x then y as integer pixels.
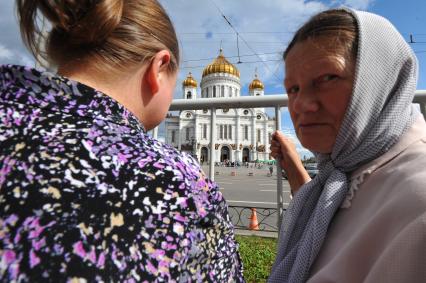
{"type": "Point", "coordinates": [108, 36]}
{"type": "Point", "coordinates": [83, 22]}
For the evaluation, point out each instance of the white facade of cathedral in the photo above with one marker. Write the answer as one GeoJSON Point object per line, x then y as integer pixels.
{"type": "Point", "coordinates": [241, 134]}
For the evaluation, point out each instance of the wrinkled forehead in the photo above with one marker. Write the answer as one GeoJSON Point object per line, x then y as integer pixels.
{"type": "Point", "coordinates": [318, 52]}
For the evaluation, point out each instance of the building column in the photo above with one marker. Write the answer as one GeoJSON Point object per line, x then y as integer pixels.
{"type": "Point", "coordinates": [238, 154]}
{"type": "Point", "coordinates": [195, 150]}
{"type": "Point", "coordinates": [265, 139]}
{"type": "Point", "coordinates": [178, 135]}
{"type": "Point", "coordinates": [166, 133]}
{"type": "Point", "coordinates": [155, 133]}
{"type": "Point", "coordinates": [253, 137]}
{"type": "Point", "coordinates": [212, 140]}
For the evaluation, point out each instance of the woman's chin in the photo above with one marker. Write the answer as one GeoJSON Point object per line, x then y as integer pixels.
{"type": "Point", "coordinates": [316, 147]}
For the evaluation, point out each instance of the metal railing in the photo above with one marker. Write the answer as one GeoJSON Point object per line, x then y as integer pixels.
{"type": "Point", "coordinates": [275, 101]}
{"type": "Point", "coordinates": [241, 217]}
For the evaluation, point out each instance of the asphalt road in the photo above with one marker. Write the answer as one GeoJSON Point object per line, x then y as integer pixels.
{"type": "Point", "coordinates": [244, 189]}
{"type": "Point", "coordinates": [251, 188]}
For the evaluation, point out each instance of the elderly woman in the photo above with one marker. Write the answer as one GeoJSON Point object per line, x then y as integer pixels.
{"type": "Point", "coordinates": [350, 79]}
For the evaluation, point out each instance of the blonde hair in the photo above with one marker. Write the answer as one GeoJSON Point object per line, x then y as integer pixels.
{"type": "Point", "coordinates": [108, 35]}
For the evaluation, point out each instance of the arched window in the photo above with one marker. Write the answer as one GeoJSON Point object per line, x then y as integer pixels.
{"type": "Point", "coordinates": [188, 95]}
{"type": "Point", "coordinates": [214, 91]}
{"type": "Point", "coordinates": [207, 92]}
{"type": "Point", "coordinates": [222, 91]}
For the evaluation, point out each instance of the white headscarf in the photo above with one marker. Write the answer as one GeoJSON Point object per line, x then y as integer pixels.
{"type": "Point", "coordinates": [380, 111]}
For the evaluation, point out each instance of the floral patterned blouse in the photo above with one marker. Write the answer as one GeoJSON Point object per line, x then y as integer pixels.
{"type": "Point", "coordinates": [87, 195]}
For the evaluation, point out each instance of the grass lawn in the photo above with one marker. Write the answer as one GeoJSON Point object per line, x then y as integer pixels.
{"type": "Point", "coordinates": [258, 255]}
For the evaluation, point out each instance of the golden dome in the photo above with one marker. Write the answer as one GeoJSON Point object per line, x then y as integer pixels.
{"type": "Point", "coordinates": [256, 84]}
{"type": "Point", "coordinates": [221, 65]}
{"type": "Point", "coordinates": [189, 81]}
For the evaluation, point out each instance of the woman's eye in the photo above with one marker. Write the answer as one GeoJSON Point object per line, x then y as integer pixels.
{"type": "Point", "coordinates": [327, 78]}
{"type": "Point", "coordinates": [292, 90]}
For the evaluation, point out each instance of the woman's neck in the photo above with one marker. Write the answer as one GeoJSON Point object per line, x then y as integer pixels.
{"type": "Point", "coordinates": [124, 89]}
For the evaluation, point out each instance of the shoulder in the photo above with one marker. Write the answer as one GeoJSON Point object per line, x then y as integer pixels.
{"type": "Point", "coordinates": [397, 186]}
{"type": "Point", "coordinates": [404, 165]}
{"type": "Point", "coordinates": [135, 157]}
{"type": "Point", "coordinates": [408, 168]}
{"type": "Point", "coordinates": [403, 177]}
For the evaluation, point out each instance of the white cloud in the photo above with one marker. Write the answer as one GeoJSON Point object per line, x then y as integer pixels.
{"type": "Point", "coordinates": [359, 4]}
{"type": "Point", "coordinates": [12, 50]}
{"type": "Point", "coordinates": [267, 27]}
{"type": "Point", "coordinates": [290, 134]}
{"type": "Point", "coordinates": [26, 60]}
{"type": "Point", "coordinates": [8, 56]}
{"type": "Point", "coordinates": [5, 53]}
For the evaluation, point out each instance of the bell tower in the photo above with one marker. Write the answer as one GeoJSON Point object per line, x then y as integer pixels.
{"type": "Point", "coordinates": [189, 87]}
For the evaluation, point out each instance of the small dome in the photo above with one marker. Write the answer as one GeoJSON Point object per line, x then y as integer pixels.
{"type": "Point", "coordinates": [189, 81]}
{"type": "Point", "coordinates": [256, 84]}
{"type": "Point", "coordinates": [221, 65]}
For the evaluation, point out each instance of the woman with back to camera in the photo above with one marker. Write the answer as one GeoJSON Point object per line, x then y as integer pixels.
{"type": "Point", "coordinates": [350, 80]}
{"type": "Point", "coordinates": [86, 194]}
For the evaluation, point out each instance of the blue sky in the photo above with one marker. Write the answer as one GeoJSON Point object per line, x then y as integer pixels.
{"type": "Point", "coordinates": [264, 27]}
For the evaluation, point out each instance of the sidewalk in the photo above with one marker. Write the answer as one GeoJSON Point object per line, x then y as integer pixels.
{"type": "Point", "coordinates": [240, 171]}
{"type": "Point", "coordinates": [256, 233]}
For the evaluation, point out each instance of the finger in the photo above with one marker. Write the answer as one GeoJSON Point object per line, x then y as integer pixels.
{"type": "Point", "coordinates": [285, 143]}
{"type": "Point", "coordinates": [276, 155]}
{"type": "Point", "coordinates": [275, 148]}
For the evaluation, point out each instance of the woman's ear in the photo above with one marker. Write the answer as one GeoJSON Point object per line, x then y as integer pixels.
{"type": "Point", "coordinates": [155, 71]}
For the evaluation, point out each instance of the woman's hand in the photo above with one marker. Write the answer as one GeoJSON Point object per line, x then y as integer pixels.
{"type": "Point", "coordinates": [284, 151]}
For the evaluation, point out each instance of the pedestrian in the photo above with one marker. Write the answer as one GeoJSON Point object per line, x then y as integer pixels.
{"type": "Point", "coordinates": [86, 194]}
{"type": "Point", "coordinates": [271, 170]}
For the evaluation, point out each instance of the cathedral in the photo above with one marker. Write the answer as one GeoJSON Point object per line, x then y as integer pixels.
{"type": "Point", "coordinates": [242, 135]}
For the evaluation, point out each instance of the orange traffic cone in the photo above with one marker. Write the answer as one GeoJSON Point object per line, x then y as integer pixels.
{"type": "Point", "coordinates": [254, 225]}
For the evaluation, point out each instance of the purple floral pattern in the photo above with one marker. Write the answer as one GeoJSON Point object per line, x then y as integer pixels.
{"type": "Point", "coordinates": [87, 195]}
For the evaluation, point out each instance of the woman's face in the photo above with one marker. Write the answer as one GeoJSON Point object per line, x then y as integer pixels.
{"type": "Point", "coordinates": [319, 80]}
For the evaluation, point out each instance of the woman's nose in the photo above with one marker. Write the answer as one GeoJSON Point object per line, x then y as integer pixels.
{"type": "Point", "coordinates": [305, 101]}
